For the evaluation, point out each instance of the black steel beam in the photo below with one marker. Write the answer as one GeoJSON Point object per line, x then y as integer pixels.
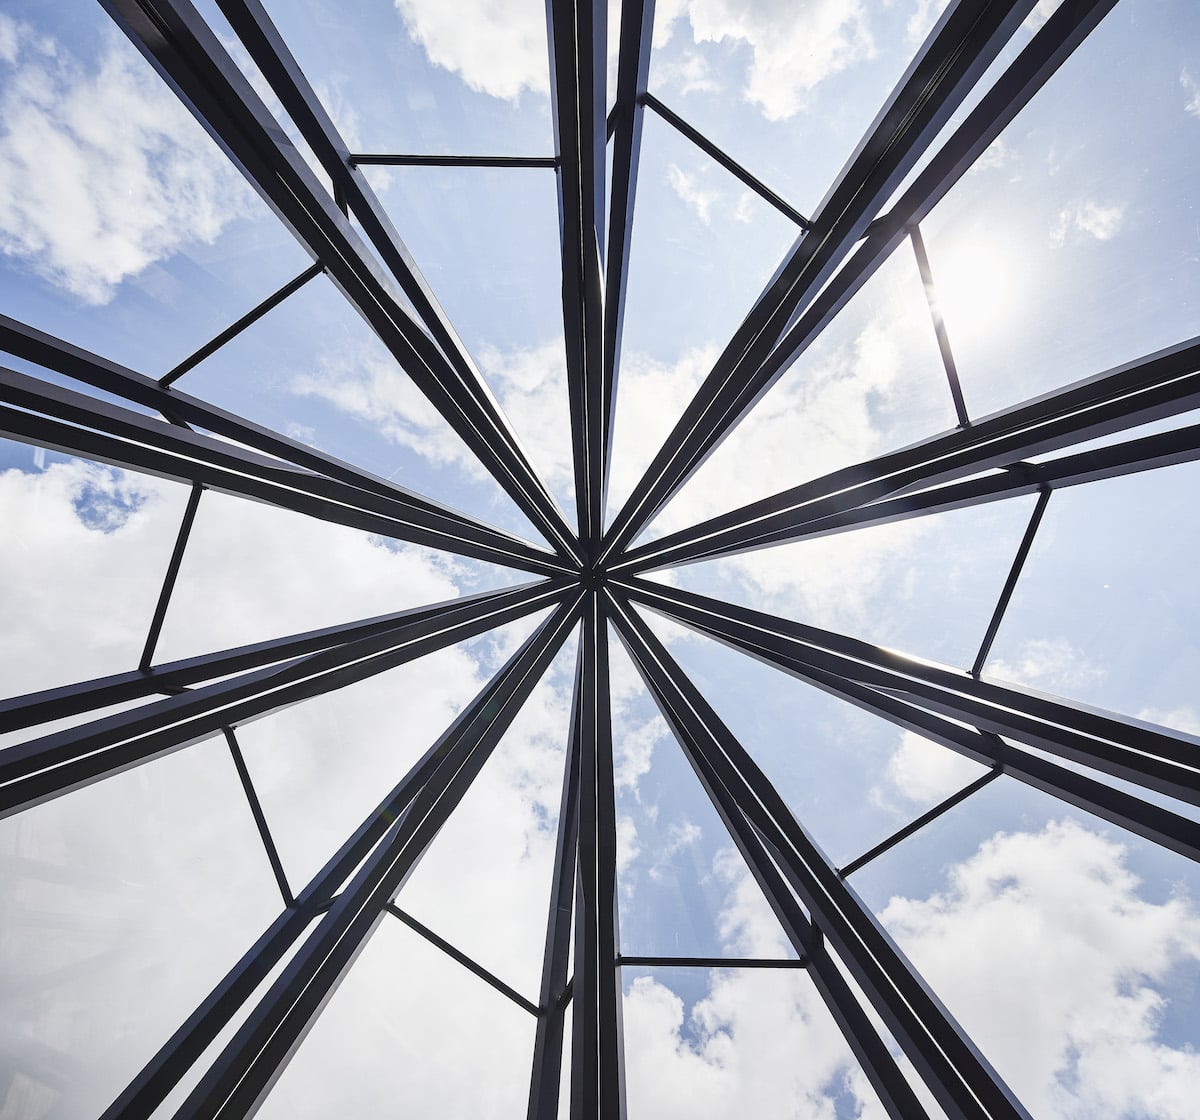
{"type": "Point", "coordinates": [53, 764]}
{"type": "Point", "coordinates": [939, 326]}
{"type": "Point", "coordinates": [260, 818]}
{"type": "Point", "coordinates": [967, 38]}
{"type": "Point", "coordinates": [597, 1072]}
{"type": "Point", "coordinates": [400, 159]}
{"type": "Point", "coordinates": [726, 161]}
{"type": "Point", "coordinates": [1155, 387]}
{"type": "Point", "coordinates": [578, 63]}
{"type": "Point", "coordinates": [80, 424]}
{"type": "Point", "coordinates": [625, 127]}
{"type": "Point", "coordinates": [175, 676]}
{"type": "Point", "coordinates": [172, 573]}
{"type": "Point", "coordinates": [546, 1074]}
{"type": "Point", "coordinates": [711, 962]}
{"type": "Point", "coordinates": [1164, 760]}
{"type": "Point", "coordinates": [958, 1076]}
{"type": "Point", "coordinates": [249, 1064]}
{"type": "Point", "coordinates": [190, 58]}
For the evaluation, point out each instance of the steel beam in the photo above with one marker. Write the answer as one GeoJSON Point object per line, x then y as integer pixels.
{"type": "Point", "coordinates": [633, 72]}
{"type": "Point", "coordinates": [76, 423]}
{"type": "Point", "coordinates": [51, 765]}
{"type": "Point", "coordinates": [1157, 758]}
{"type": "Point", "coordinates": [190, 58]}
{"type": "Point", "coordinates": [1155, 387]}
{"type": "Point", "coordinates": [961, 1080]}
{"type": "Point", "coordinates": [967, 38]}
{"type": "Point", "coordinates": [402, 159]}
{"type": "Point", "coordinates": [254, 1058]}
{"type": "Point", "coordinates": [597, 1073]}
{"type": "Point", "coordinates": [578, 63]}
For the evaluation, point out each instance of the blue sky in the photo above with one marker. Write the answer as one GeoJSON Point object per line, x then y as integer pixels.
{"type": "Point", "coordinates": [1070, 949]}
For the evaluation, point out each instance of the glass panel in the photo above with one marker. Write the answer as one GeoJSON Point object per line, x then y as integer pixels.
{"type": "Point", "coordinates": [927, 586]}
{"type": "Point", "coordinates": [872, 382]}
{"type": "Point", "coordinates": [122, 226]}
{"type": "Point", "coordinates": [253, 571]}
{"type": "Point", "coordinates": [487, 241]}
{"type": "Point", "coordinates": [416, 76]}
{"type": "Point", "coordinates": [409, 1030]}
{"type": "Point", "coordinates": [315, 371]}
{"type": "Point", "coordinates": [1069, 250]}
{"type": "Point", "coordinates": [153, 881]}
{"type": "Point", "coordinates": [1106, 609]}
{"type": "Point", "coordinates": [704, 246]}
{"type": "Point", "coordinates": [80, 579]}
{"type": "Point", "coordinates": [734, 1043]}
{"type": "Point", "coordinates": [683, 889]}
{"type": "Point", "coordinates": [375, 730]}
{"type": "Point", "coordinates": [498, 846]}
{"type": "Point", "coordinates": [850, 778]}
{"type": "Point", "coordinates": [1093, 930]}
{"type": "Point", "coordinates": [786, 90]}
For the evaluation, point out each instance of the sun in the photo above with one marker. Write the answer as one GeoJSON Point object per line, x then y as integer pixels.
{"type": "Point", "coordinates": [974, 288]}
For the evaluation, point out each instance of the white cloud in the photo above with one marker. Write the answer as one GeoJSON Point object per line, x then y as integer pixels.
{"type": "Point", "coordinates": [1050, 664]}
{"type": "Point", "coordinates": [1073, 1024]}
{"type": "Point", "coordinates": [1192, 88]}
{"type": "Point", "coordinates": [1185, 719]}
{"type": "Point", "coordinates": [693, 193]}
{"type": "Point", "coordinates": [921, 22]}
{"type": "Point", "coordinates": [793, 49]}
{"type": "Point", "coordinates": [689, 73]}
{"type": "Point", "coordinates": [1091, 218]}
{"type": "Point", "coordinates": [921, 772]}
{"type": "Point", "coordinates": [496, 48]}
{"type": "Point", "coordinates": [102, 171]}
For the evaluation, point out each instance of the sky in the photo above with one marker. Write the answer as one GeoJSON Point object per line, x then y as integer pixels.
{"type": "Point", "coordinates": [1068, 948]}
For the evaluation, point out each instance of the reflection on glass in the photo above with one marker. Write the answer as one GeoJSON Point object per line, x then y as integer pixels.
{"type": "Point", "coordinates": [150, 881]}
{"type": "Point", "coordinates": [409, 1030]}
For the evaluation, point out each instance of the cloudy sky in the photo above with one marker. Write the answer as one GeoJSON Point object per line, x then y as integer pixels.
{"type": "Point", "coordinates": [1068, 948]}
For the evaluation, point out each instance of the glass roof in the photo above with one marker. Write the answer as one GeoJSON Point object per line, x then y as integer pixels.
{"type": "Point", "coordinates": [593, 560]}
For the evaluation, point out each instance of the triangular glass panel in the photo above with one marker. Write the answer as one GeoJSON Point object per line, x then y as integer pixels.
{"type": "Point", "coordinates": [1096, 267]}
{"type": "Point", "coordinates": [312, 369]}
{"type": "Point", "coordinates": [704, 246]}
{"type": "Point", "coordinates": [874, 381]}
{"type": "Point", "coordinates": [124, 228]}
{"type": "Point", "coordinates": [927, 586]}
{"type": "Point", "coordinates": [150, 880]}
{"type": "Point", "coordinates": [487, 241]}
{"type": "Point", "coordinates": [681, 883]}
{"type": "Point", "coordinates": [409, 1029]}
{"type": "Point", "coordinates": [85, 570]}
{"type": "Point", "coordinates": [322, 766]}
{"type": "Point", "coordinates": [498, 845]}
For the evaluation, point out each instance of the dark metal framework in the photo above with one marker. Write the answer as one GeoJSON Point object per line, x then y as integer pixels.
{"type": "Point", "coordinates": [590, 575]}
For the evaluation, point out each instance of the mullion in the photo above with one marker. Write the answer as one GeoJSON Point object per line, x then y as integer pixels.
{"type": "Point", "coordinates": [400, 159]}
{"type": "Point", "coordinates": [169, 578]}
{"type": "Point", "coordinates": [458, 956]}
{"type": "Point", "coordinates": [248, 1066]}
{"type": "Point", "coordinates": [939, 326]}
{"type": "Point", "coordinates": [961, 48]}
{"type": "Point", "coordinates": [260, 818]}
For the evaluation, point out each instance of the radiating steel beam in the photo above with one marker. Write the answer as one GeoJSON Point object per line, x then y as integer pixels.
{"type": "Point", "coordinates": [633, 72]}
{"type": "Point", "coordinates": [140, 1099]}
{"type": "Point", "coordinates": [80, 424]}
{"type": "Point", "coordinates": [53, 764]}
{"type": "Point", "coordinates": [966, 40]}
{"type": "Point", "coordinates": [546, 1075]}
{"type": "Point", "coordinates": [1157, 386]}
{"type": "Point", "coordinates": [961, 1080]}
{"type": "Point", "coordinates": [175, 676]}
{"type": "Point", "coordinates": [597, 1072]}
{"type": "Point", "coordinates": [1166, 761]}
{"type": "Point", "coordinates": [253, 1059]}
{"type": "Point", "coordinates": [578, 64]}
{"type": "Point", "coordinates": [190, 58]}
